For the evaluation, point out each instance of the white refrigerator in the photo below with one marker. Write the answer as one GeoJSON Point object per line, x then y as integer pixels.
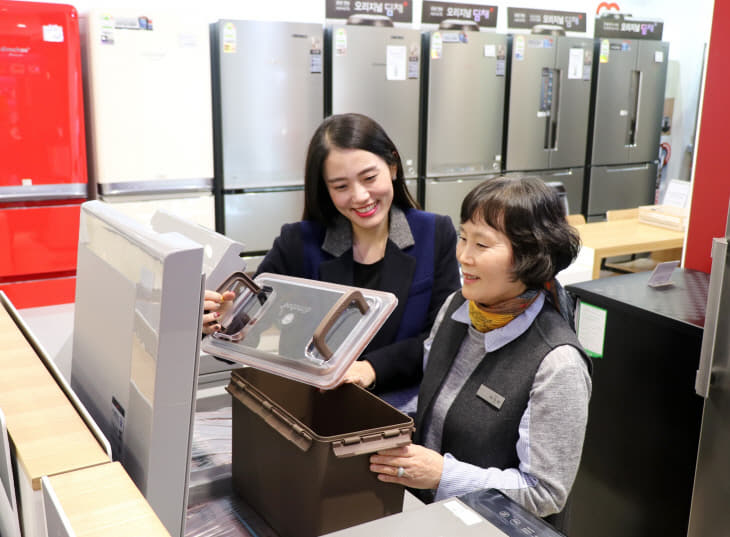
{"type": "Point", "coordinates": [149, 111]}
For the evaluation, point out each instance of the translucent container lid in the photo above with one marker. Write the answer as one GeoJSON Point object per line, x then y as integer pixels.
{"type": "Point", "coordinates": [305, 330]}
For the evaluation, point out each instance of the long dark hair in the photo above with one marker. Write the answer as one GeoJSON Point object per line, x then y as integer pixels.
{"type": "Point", "coordinates": [532, 217]}
{"type": "Point", "coordinates": [347, 131]}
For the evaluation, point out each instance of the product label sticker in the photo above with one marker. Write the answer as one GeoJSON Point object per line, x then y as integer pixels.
{"type": "Point", "coordinates": [450, 37]}
{"type": "Point", "coordinates": [229, 38]}
{"type": "Point", "coordinates": [437, 45]}
{"type": "Point", "coordinates": [463, 513]}
{"type": "Point", "coordinates": [315, 56]}
{"type": "Point", "coordinates": [395, 62]}
{"type": "Point", "coordinates": [587, 64]}
{"type": "Point", "coordinates": [340, 42]}
{"type": "Point", "coordinates": [604, 51]}
{"type": "Point", "coordinates": [659, 56]}
{"type": "Point", "coordinates": [575, 64]}
{"type": "Point", "coordinates": [490, 51]}
{"type": "Point", "coordinates": [501, 67]}
{"type": "Point", "coordinates": [591, 328]}
{"type": "Point", "coordinates": [414, 55]}
{"type": "Point", "coordinates": [520, 47]}
{"type": "Point", "coordinates": [26, 181]}
{"type": "Point", "coordinates": [117, 438]}
{"type": "Point", "coordinates": [53, 33]}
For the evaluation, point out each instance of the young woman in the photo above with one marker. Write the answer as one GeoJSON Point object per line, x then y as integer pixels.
{"type": "Point", "coordinates": [361, 227]}
{"type": "Point", "coordinates": [504, 398]}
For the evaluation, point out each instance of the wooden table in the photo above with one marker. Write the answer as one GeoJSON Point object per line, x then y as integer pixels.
{"type": "Point", "coordinates": [46, 431]}
{"type": "Point", "coordinates": [622, 237]}
{"type": "Point", "coordinates": [100, 501]}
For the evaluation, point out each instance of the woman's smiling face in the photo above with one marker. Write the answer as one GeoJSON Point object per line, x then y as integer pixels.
{"type": "Point", "coordinates": [360, 184]}
{"type": "Point", "coordinates": [485, 256]}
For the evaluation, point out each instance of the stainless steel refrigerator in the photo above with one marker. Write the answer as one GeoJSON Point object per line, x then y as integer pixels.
{"type": "Point", "coordinates": [549, 104]}
{"type": "Point", "coordinates": [268, 101]}
{"type": "Point", "coordinates": [626, 123]}
{"type": "Point", "coordinates": [709, 514]}
{"type": "Point", "coordinates": [375, 69]}
{"type": "Point", "coordinates": [463, 113]}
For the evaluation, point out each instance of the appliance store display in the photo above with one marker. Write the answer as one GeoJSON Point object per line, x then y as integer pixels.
{"type": "Point", "coordinates": [42, 152]}
{"type": "Point", "coordinates": [147, 77]}
{"type": "Point", "coordinates": [464, 112]}
{"type": "Point", "coordinates": [206, 126]}
{"type": "Point", "coordinates": [269, 99]}
{"type": "Point", "coordinates": [549, 97]}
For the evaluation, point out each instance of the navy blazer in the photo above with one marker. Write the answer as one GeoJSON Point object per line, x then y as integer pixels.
{"type": "Point", "coordinates": [419, 268]}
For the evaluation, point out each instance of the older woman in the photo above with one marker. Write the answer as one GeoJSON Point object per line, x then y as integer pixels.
{"type": "Point", "coordinates": [504, 399]}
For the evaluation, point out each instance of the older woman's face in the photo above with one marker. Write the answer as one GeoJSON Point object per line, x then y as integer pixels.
{"type": "Point", "coordinates": [485, 256]}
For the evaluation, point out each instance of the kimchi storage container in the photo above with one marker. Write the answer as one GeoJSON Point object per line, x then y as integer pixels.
{"type": "Point", "coordinates": [301, 449]}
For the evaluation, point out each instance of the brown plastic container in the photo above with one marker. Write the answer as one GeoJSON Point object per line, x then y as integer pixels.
{"type": "Point", "coordinates": [301, 455]}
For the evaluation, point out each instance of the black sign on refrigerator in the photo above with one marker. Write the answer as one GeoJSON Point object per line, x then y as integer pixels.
{"type": "Point", "coordinates": [464, 89]}
{"type": "Point", "coordinates": [269, 100]}
{"type": "Point", "coordinates": [375, 70]}
{"type": "Point", "coordinates": [627, 106]}
{"type": "Point", "coordinates": [549, 103]}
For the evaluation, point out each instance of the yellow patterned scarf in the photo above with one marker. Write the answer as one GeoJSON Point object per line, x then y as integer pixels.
{"type": "Point", "coordinates": [486, 318]}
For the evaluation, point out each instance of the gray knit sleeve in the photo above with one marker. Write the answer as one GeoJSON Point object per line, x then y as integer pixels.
{"type": "Point", "coordinates": [550, 440]}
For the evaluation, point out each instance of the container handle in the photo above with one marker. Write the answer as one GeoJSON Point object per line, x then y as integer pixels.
{"type": "Point", "coordinates": [353, 446]}
{"type": "Point", "coordinates": [326, 324]}
{"type": "Point", "coordinates": [271, 415]}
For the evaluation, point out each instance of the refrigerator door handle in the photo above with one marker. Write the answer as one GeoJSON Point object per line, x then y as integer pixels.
{"type": "Point", "coordinates": [623, 169]}
{"type": "Point", "coordinates": [636, 80]}
{"type": "Point", "coordinates": [555, 112]}
{"type": "Point", "coordinates": [156, 187]}
{"type": "Point", "coordinates": [712, 314]}
{"type": "Point", "coordinates": [9, 194]}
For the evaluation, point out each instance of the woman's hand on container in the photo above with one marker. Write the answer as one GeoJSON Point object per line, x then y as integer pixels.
{"type": "Point", "coordinates": [213, 306]}
{"type": "Point", "coordinates": [412, 465]}
{"type": "Point", "coordinates": [361, 373]}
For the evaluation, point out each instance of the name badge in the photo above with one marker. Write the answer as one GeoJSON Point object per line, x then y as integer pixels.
{"type": "Point", "coordinates": [490, 396]}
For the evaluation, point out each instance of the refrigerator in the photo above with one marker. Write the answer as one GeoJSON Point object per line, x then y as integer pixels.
{"type": "Point", "coordinates": [464, 94]}
{"type": "Point", "coordinates": [627, 110]}
{"type": "Point", "coordinates": [149, 121]}
{"type": "Point", "coordinates": [709, 515]}
{"type": "Point", "coordinates": [136, 343]}
{"type": "Point", "coordinates": [268, 101]}
{"type": "Point", "coordinates": [375, 70]}
{"type": "Point", "coordinates": [43, 178]}
{"type": "Point", "coordinates": [548, 110]}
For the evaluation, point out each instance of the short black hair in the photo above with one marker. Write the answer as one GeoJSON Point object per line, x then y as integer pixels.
{"type": "Point", "coordinates": [347, 131]}
{"type": "Point", "coordinates": [532, 216]}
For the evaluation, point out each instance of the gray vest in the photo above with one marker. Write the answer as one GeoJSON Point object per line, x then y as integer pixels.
{"type": "Point", "coordinates": [479, 428]}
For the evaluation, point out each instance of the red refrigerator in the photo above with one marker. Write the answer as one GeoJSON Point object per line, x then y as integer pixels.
{"type": "Point", "coordinates": [43, 153]}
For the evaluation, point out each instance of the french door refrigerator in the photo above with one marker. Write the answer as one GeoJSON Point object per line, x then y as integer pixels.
{"type": "Point", "coordinates": [268, 101]}
{"type": "Point", "coordinates": [709, 515]}
{"type": "Point", "coordinates": [626, 125]}
{"type": "Point", "coordinates": [375, 70]}
{"type": "Point", "coordinates": [42, 152]}
{"type": "Point", "coordinates": [463, 113]}
{"type": "Point", "coordinates": [147, 75]}
{"type": "Point", "coordinates": [549, 103]}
